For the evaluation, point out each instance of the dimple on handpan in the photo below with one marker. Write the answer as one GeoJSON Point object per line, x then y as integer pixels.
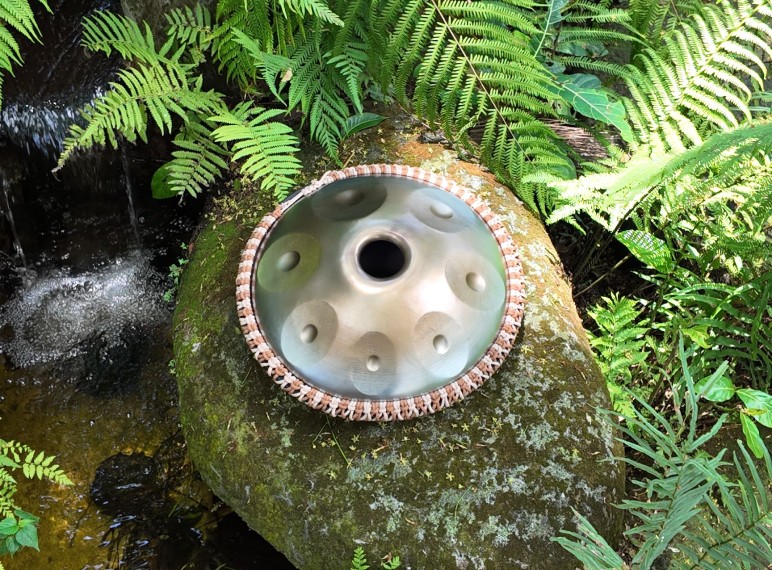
{"type": "Point", "coordinates": [380, 293]}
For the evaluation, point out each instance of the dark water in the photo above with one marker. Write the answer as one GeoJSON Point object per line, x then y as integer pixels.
{"type": "Point", "coordinates": [85, 339]}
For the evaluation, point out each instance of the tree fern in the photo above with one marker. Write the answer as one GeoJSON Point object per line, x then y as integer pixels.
{"type": "Point", "coordinates": [15, 15]}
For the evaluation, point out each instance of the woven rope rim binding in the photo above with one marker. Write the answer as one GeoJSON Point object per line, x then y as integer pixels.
{"type": "Point", "coordinates": [391, 409]}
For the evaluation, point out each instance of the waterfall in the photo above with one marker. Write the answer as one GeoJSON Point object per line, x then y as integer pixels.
{"type": "Point", "coordinates": [130, 195]}
{"type": "Point", "coordinates": [8, 213]}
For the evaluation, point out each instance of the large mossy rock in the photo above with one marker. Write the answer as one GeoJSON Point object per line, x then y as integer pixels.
{"type": "Point", "coordinates": [484, 484]}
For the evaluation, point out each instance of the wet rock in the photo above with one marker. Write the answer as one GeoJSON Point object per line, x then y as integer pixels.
{"type": "Point", "coordinates": [484, 484]}
{"type": "Point", "coordinates": [128, 485]}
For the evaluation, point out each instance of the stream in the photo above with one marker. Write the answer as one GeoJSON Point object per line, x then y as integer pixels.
{"type": "Point", "coordinates": [86, 370]}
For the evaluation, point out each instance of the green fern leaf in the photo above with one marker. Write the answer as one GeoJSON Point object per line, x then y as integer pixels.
{"type": "Point", "coordinates": [473, 65]}
{"type": "Point", "coordinates": [158, 92]}
{"type": "Point", "coordinates": [191, 27]}
{"type": "Point", "coordinates": [267, 148]}
{"type": "Point", "coordinates": [316, 8]}
{"type": "Point", "coordinates": [699, 73]}
{"type": "Point", "coordinates": [16, 15]}
{"type": "Point", "coordinates": [197, 163]}
{"type": "Point", "coordinates": [359, 562]}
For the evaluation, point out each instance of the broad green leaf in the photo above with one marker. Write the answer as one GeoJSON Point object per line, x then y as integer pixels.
{"type": "Point", "coordinates": [587, 96]}
{"type": "Point", "coordinates": [554, 16]}
{"type": "Point", "coordinates": [758, 400]}
{"type": "Point", "coordinates": [8, 526]}
{"type": "Point", "coordinates": [651, 250]}
{"type": "Point", "coordinates": [358, 123]}
{"type": "Point", "coordinates": [25, 515]}
{"type": "Point", "coordinates": [698, 334]}
{"type": "Point", "coordinates": [28, 536]}
{"type": "Point", "coordinates": [752, 436]}
{"type": "Point", "coordinates": [715, 389]}
{"type": "Point", "coordinates": [12, 545]}
{"type": "Point", "coordinates": [161, 184]}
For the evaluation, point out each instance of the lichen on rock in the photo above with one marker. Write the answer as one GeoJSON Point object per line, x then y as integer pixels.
{"type": "Point", "coordinates": [484, 484]}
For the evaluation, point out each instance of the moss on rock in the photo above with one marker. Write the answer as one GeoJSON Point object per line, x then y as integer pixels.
{"type": "Point", "coordinates": [484, 484]}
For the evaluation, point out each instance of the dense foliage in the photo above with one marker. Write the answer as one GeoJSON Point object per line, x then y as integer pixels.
{"type": "Point", "coordinates": [674, 93]}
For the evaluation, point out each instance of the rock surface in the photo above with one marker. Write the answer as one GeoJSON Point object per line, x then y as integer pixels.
{"type": "Point", "coordinates": [484, 484]}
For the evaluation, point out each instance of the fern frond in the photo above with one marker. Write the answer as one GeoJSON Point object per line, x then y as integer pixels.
{"type": "Point", "coordinates": [107, 32]}
{"type": "Point", "coordinates": [359, 562]}
{"type": "Point", "coordinates": [198, 162]}
{"type": "Point", "coordinates": [473, 65]}
{"type": "Point", "coordinates": [621, 346]}
{"type": "Point", "coordinates": [253, 19]}
{"type": "Point", "coordinates": [16, 15]}
{"type": "Point", "coordinates": [158, 91]}
{"type": "Point", "coordinates": [191, 27]}
{"type": "Point", "coordinates": [589, 547]}
{"type": "Point", "coordinates": [351, 65]}
{"type": "Point", "coordinates": [737, 529]}
{"type": "Point", "coordinates": [267, 148]}
{"type": "Point", "coordinates": [610, 197]}
{"type": "Point", "coordinates": [316, 8]}
{"type": "Point", "coordinates": [694, 86]}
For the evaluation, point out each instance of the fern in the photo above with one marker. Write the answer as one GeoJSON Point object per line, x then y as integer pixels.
{"type": "Point", "coordinates": [145, 92]}
{"type": "Point", "coordinates": [359, 561]}
{"type": "Point", "coordinates": [191, 27]}
{"type": "Point", "coordinates": [680, 509]}
{"type": "Point", "coordinates": [197, 163]}
{"type": "Point", "coordinates": [15, 15]}
{"type": "Point", "coordinates": [610, 197]}
{"type": "Point", "coordinates": [267, 147]}
{"type": "Point", "coordinates": [698, 83]}
{"type": "Point", "coordinates": [319, 56]}
{"type": "Point", "coordinates": [621, 345]}
{"type": "Point", "coordinates": [473, 64]}
{"type": "Point", "coordinates": [163, 89]}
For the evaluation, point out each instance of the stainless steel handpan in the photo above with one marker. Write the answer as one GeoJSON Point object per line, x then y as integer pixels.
{"type": "Point", "coordinates": [380, 293]}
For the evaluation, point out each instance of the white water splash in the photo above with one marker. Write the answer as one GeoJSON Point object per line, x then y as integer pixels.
{"type": "Point", "coordinates": [51, 318]}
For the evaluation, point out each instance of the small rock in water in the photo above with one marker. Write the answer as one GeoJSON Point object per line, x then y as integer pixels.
{"type": "Point", "coordinates": [128, 484]}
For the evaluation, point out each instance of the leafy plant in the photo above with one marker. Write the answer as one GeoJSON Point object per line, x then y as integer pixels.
{"type": "Point", "coordinates": [472, 64]}
{"type": "Point", "coordinates": [162, 84]}
{"type": "Point", "coordinates": [175, 272]}
{"type": "Point", "coordinates": [15, 15]}
{"type": "Point", "coordinates": [689, 503]}
{"type": "Point", "coordinates": [696, 83]}
{"type": "Point", "coordinates": [18, 528]}
{"type": "Point", "coordinates": [359, 561]}
{"type": "Point", "coordinates": [621, 347]}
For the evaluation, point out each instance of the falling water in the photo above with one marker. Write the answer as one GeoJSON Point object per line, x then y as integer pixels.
{"type": "Point", "coordinates": [9, 216]}
{"type": "Point", "coordinates": [130, 194]}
